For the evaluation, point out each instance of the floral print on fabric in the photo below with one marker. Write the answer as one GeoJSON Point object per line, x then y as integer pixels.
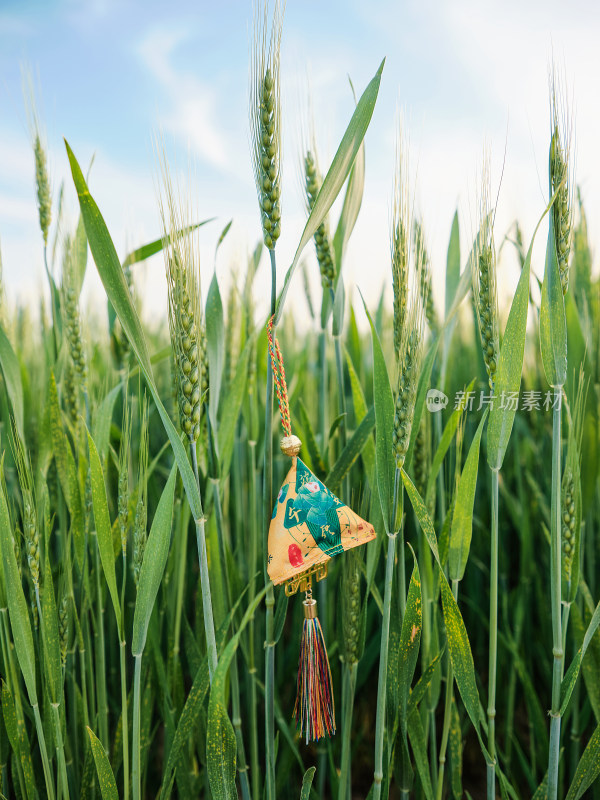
{"type": "Point", "coordinates": [309, 526]}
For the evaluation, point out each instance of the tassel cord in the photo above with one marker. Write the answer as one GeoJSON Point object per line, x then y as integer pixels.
{"type": "Point", "coordinates": [315, 707]}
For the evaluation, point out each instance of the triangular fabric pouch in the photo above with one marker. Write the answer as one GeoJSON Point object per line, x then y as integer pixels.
{"type": "Point", "coordinates": [309, 526]}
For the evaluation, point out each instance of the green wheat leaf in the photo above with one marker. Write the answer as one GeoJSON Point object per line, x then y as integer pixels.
{"type": "Point", "coordinates": [104, 529]}
{"type": "Point", "coordinates": [452, 263]}
{"type": "Point", "coordinates": [510, 362]}
{"type": "Point", "coordinates": [418, 742]}
{"type": "Point", "coordinates": [11, 372]}
{"type": "Point", "coordinates": [19, 741]}
{"type": "Point", "coordinates": [103, 420]}
{"type": "Point", "coordinates": [153, 564]}
{"type": "Point", "coordinates": [455, 750]}
{"type": "Point", "coordinates": [458, 641]}
{"type": "Point", "coordinates": [462, 518]}
{"type": "Point", "coordinates": [570, 679]}
{"type": "Point", "coordinates": [307, 783]}
{"type": "Point", "coordinates": [445, 442]}
{"type": "Point", "coordinates": [383, 401]}
{"type": "Point", "coordinates": [215, 339]}
{"type": "Point", "coordinates": [17, 605]}
{"type": "Point", "coordinates": [80, 252]}
{"type": "Point", "coordinates": [350, 209]}
{"type": "Point", "coordinates": [115, 285]}
{"type": "Point", "coordinates": [410, 639]}
{"type": "Point", "coordinates": [336, 175]}
{"type": "Point", "coordinates": [588, 768]}
{"type": "Point", "coordinates": [106, 779]}
{"type": "Point", "coordinates": [50, 632]}
{"type": "Point", "coordinates": [351, 452]}
{"type": "Point", "coordinates": [154, 247]}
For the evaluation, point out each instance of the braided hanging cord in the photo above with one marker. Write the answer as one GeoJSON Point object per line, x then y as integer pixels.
{"type": "Point", "coordinates": [279, 376]}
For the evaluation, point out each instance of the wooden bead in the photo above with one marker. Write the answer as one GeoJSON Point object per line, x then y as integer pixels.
{"type": "Point", "coordinates": [290, 445]}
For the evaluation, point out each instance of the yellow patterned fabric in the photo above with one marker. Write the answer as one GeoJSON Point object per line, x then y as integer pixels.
{"type": "Point", "coordinates": [309, 525]}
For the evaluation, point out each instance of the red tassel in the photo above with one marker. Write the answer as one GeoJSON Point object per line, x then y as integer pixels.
{"type": "Point", "coordinates": [315, 708]}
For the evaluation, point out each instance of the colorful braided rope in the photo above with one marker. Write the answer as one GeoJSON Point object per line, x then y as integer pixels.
{"type": "Point", "coordinates": [279, 377]}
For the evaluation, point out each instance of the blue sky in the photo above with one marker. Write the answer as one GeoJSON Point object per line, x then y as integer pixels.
{"type": "Point", "coordinates": [110, 74]}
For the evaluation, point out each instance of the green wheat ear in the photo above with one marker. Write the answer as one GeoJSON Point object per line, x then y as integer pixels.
{"type": "Point", "coordinates": [188, 338]}
{"type": "Point", "coordinates": [42, 181]}
{"type": "Point", "coordinates": [351, 572]}
{"type": "Point", "coordinates": [400, 244]}
{"type": "Point", "coordinates": [409, 369]}
{"type": "Point", "coordinates": [63, 630]}
{"type": "Point", "coordinates": [31, 532]}
{"type": "Point", "coordinates": [70, 300]}
{"type": "Point", "coordinates": [43, 187]}
{"type": "Point", "coordinates": [425, 284]}
{"type": "Point", "coordinates": [484, 280]}
{"type": "Point", "coordinates": [409, 312]}
{"type": "Point", "coordinates": [571, 485]}
{"type": "Point", "coordinates": [265, 121]}
{"type": "Point", "coordinates": [312, 185]}
{"type": "Point", "coordinates": [561, 177]}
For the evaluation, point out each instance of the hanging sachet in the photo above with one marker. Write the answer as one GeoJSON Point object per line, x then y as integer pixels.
{"type": "Point", "coordinates": [309, 526]}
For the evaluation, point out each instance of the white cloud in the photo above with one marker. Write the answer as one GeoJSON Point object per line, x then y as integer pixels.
{"type": "Point", "coordinates": [192, 113]}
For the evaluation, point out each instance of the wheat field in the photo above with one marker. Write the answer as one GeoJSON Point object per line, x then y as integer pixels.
{"type": "Point", "coordinates": [145, 651]}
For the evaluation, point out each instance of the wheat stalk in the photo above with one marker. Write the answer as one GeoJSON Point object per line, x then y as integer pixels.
{"type": "Point", "coordinates": [408, 345]}
{"type": "Point", "coordinates": [562, 213]}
